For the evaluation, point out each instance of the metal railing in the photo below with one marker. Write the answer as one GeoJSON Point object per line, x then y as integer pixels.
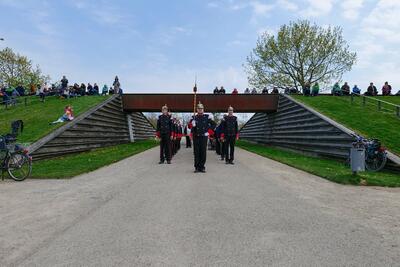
{"type": "Point", "coordinates": [381, 104]}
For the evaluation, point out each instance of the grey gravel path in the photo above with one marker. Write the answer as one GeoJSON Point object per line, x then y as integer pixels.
{"type": "Point", "coordinates": [255, 213]}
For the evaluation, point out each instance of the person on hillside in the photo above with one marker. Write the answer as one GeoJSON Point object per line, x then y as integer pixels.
{"type": "Point", "coordinates": [216, 91]}
{"type": "Point", "coordinates": [265, 91]}
{"type": "Point", "coordinates": [398, 93]}
{"type": "Point", "coordinates": [230, 133]}
{"type": "Point", "coordinates": [165, 133]}
{"type": "Point", "coordinates": [64, 83]}
{"type": "Point", "coordinates": [90, 89]}
{"type": "Point", "coordinates": [116, 85]}
{"type": "Point", "coordinates": [21, 90]}
{"type": "Point", "coordinates": [275, 91]}
{"type": "Point", "coordinates": [202, 128]}
{"type": "Point", "coordinates": [96, 90]}
{"type": "Point", "coordinates": [345, 89]}
{"type": "Point", "coordinates": [254, 91]}
{"type": "Point", "coordinates": [386, 89]}
{"type": "Point", "coordinates": [111, 91]}
{"type": "Point", "coordinates": [315, 89]}
{"type": "Point", "coordinates": [307, 89]}
{"type": "Point", "coordinates": [336, 90]}
{"type": "Point", "coordinates": [356, 90]}
{"type": "Point", "coordinates": [82, 89]}
{"type": "Point", "coordinates": [222, 91]}
{"type": "Point", "coordinates": [67, 116]}
{"type": "Point", "coordinates": [371, 90]}
{"type": "Point", "coordinates": [104, 90]}
{"type": "Point", "coordinates": [43, 91]}
{"type": "Point", "coordinates": [247, 91]}
{"type": "Point", "coordinates": [235, 91]}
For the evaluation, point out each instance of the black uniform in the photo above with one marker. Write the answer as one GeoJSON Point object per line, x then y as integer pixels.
{"type": "Point", "coordinates": [165, 130]}
{"type": "Point", "coordinates": [203, 128]}
{"type": "Point", "coordinates": [188, 141]}
{"type": "Point", "coordinates": [230, 132]}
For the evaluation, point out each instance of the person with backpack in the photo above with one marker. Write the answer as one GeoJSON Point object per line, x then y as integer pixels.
{"type": "Point", "coordinates": [315, 89]}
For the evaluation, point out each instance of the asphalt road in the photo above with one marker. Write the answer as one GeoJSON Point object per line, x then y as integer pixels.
{"type": "Point", "coordinates": [255, 213]}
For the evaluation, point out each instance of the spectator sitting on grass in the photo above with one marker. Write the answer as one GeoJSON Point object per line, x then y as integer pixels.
{"type": "Point", "coordinates": [356, 90]}
{"type": "Point", "coordinates": [315, 89]}
{"type": "Point", "coordinates": [104, 91]}
{"type": "Point", "coordinates": [265, 91]}
{"type": "Point", "coordinates": [398, 93]}
{"type": "Point", "coordinates": [68, 115]}
{"type": "Point", "coordinates": [307, 89]}
{"type": "Point", "coordinates": [336, 90]}
{"type": "Point", "coordinates": [235, 91]}
{"type": "Point", "coordinates": [89, 89]}
{"type": "Point", "coordinates": [95, 89]}
{"type": "Point", "coordinates": [14, 96]}
{"type": "Point", "coordinates": [386, 89]}
{"type": "Point", "coordinates": [275, 91]}
{"type": "Point", "coordinates": [345, 89]}
{"type": "Point", "coordinates": [371, 90]}
{"type": "Point", "coordinates": [82, 90]}
{"type": "Point", "coordinates": [216, 91]}
{"type": "Point", "coordinates": [21, 90]}
{"type": "Point", "coordinates": [247, 91]}
{"type": "Point", "coordinates": [111, 91]}
{"type": "Point", "coordinates": [254, 91]}
{"type": "Point", "coordinates": [222, 90]}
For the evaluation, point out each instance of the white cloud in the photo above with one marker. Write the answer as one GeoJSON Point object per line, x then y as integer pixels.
{"type": "Point", "coordinates": [260, 9]}
{"type": "Point", "coordinates": [288, 5]}
{"type": "Point", "coordinates": [351, 8]}
{"type": "Point", "coordinates": [318, 8]}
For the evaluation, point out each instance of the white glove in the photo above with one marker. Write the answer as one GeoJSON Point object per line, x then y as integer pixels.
{"type": "Point", "coordinates": [206, 134]}
{"type": "Point", "coordinates": [193, 123]}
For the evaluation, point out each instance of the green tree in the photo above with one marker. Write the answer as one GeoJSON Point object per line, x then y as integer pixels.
{"type": "Point", "coordinates": [16, 69]}
{"type": "Point", "coordinates": [300, 53]}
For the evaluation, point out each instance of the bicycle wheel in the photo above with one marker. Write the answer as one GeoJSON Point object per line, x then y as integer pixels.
{"type": "Point", "coordinates": [19, 166]}
{"type": "Point", "coordinates": [376, 163]}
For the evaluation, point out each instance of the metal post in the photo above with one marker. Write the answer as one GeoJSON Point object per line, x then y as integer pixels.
{"type": "Point", "coordinates": [130, 128]}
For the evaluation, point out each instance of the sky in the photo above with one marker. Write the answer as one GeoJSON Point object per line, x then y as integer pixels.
{"type": "Point", "coordinates": [160, 46]}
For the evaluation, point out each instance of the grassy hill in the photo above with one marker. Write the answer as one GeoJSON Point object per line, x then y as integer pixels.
{"type": "Point", "coordinates": [37, 115]}
{"type": "Point", "coordinates": [365, 120]}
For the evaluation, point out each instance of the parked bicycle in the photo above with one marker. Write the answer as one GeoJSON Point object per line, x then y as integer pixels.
{"type": "Point", "coordinates": [375, 153]}
{"type": "Point", "coordinates": [14, 159]}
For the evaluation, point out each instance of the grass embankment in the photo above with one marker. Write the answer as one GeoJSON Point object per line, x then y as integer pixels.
{"type": "Point", "coordinates": [365, 120]}
{"type": "Point", "coordinates": [37, 115]}
{"type": "Point", "coordinates": [73, 165]}
{"type": "Point", "coordinates": [329, 169]}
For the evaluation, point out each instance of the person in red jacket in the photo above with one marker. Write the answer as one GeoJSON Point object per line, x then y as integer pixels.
{"type": "Point", "coordinates": [235, 91]}
{"type": "Point", "coordinates": [165, 132]}
{"type": "Point", "coordinates": [202, 127]}
{"type": "Point", "coordinates": [230, 133]}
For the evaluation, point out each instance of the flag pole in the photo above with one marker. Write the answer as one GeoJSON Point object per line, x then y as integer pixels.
{"type": "Point", "coordinates": [195, 95]}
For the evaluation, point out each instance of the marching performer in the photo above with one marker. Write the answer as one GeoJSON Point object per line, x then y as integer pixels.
{"type": "Point", "coordinates": [201, 128]}
{"type": "Point", "coordinates": [165, 132]}
{"type": "Point", "coordinates": [230, 134]}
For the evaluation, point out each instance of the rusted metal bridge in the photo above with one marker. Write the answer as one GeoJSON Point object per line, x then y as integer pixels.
{"type": "Point", "coordinates": [243, 103]}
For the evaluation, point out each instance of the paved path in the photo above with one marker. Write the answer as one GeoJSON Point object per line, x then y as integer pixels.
{"type": "Point", "coordinates": [256, 213]}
